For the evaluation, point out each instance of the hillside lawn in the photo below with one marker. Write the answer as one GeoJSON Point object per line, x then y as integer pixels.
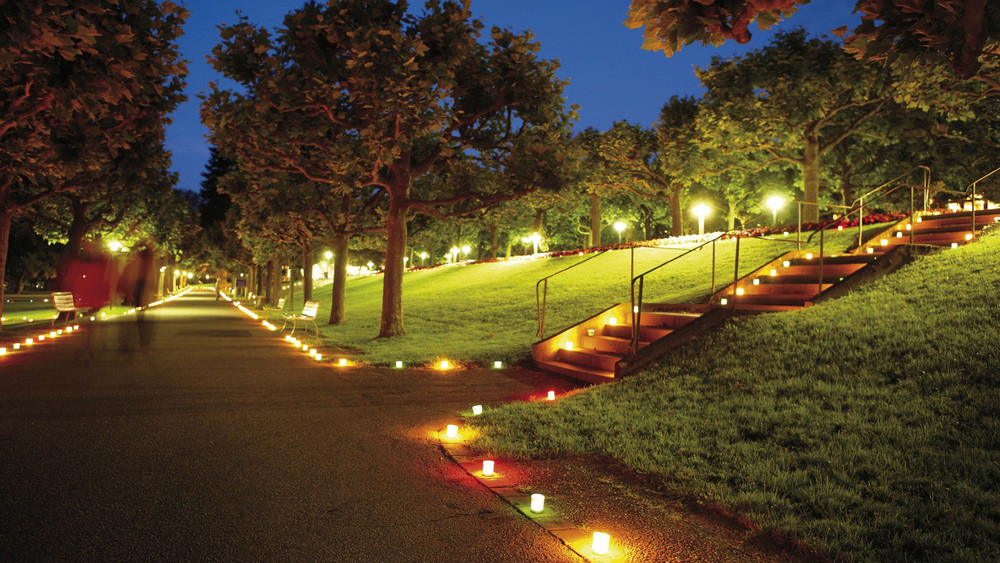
{"type": "Point", "coordinates": [867, 427]}
{"type": "Point", "coordinates": [480, 313]}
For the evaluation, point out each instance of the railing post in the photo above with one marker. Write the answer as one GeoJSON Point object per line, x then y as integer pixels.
{"type": "Point", "coordinates": [541, 315]}
{"type": "Point", "coordinates": [736, 271]}
{"type": "Point", "coordinates": [911, 214]}
{"type": "Point", "coordinates": [798, 234]}
{"type": "Point", "coordinates": [861, 219]}
{"type": "Point", "coordinates": [636, 319]}
{"type": "Point", "coordinates": [713, 264]}
{"type": "Point", "coordinates": [974, 208]}
{"type": "Point", "coordinates": [820, 288]}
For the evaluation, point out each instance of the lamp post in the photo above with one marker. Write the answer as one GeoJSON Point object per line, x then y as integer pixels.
{"type": "Point", "coordinates": [329, 256]}
{"type": "Point", "coordinates": [701, 210]}
{"type": "Point", "coordinates": [454, 253]}
{"type": "Point", "coordinates": [534, 240]}
{"type": "Point", "coordinates": [775, 203]}
{"type": "Point", "coordinates": [465, 250]}
{"type": "Point", "coordinates": [423, 258]}
{"type": "Point", "coordinates": [620, 226]}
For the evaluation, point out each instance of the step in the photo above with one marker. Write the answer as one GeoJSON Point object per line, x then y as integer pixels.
{"type": "Point", "coordinates": [609, 344]}
{"type": "Point", "coordinates": [577, 372]}
{"type": "Point", "coordinates": [830, 260]}
{"type": "Point", "coordinates": [929, 228]}
{"type": "Point", "coordinates": [982, 217]}
{"type": "Point", "coordinates": [935, 239]}
{"type": "Point", "coordinates": [646, 333]}
{"type": "Point", "coordinates": [800, 278]}
{"type": "Point", "coordinates": [784, 300]}
{"type": "Point", "coordinates": [840, 270]}
{"type": "Point", "coordinates": [806, 289]}
{"type": "Point", "coordinates": [589, 358]}
{"type": "Point", "coordinates": [667, 320]}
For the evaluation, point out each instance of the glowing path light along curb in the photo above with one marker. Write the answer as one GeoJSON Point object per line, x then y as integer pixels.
{"type": "Point", "coordinates": [452, 431]}
{"type": "Point", "coordinates": [477, 409]}
{"type": "Point", "coordinates": [601, 544]}
{"type": "Point", "coordinates": [488, 468]}
{"type": "Point", "coordinates": [537, 503]}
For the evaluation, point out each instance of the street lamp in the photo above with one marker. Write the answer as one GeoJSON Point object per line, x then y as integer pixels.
{"type": "Point", "coordinates": [620, 226]}
{"type": "Point", "coordinates": [423, 258]}
{"type": "Point", "coordinates": [775, 203]}
{"type": "Point", "coordinates": [701, 210]}
{"type": "Point", "coordinates": [465, 251]}
{"type": "Point", "coordinates": [115, 246]}
{"type": "Point", "coordinates": [534, 240]}
{"type": "Point", "coordinates": [454, 253]}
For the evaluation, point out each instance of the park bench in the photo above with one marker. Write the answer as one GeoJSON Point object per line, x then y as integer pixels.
{"type": "Point", "coordinates": [279, 307]}
{"type": "Point", "coordinates": [64, 303]}
{"type": "Point", "coordinates": [308, 315]}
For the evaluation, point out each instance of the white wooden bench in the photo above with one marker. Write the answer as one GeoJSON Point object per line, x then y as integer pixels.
{"type": "Point", "coordinates": [64, 303]}
{"type": "Point", "coordinates": [308, 315]}
{"type": "Point", "coordinates": [279, 307]}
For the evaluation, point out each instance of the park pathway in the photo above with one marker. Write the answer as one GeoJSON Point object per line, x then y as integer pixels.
{"type": "Point", "coordinates": [211, 440]}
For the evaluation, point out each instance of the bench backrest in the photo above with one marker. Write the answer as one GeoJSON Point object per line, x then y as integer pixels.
{"type": "Point", "coordinates": [63, 301]}
{"type": "Point", "coordinates": [310, 309]}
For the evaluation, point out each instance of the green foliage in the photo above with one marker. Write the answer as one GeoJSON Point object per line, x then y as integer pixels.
{"type": "Point", "coordinates": [866, 427]}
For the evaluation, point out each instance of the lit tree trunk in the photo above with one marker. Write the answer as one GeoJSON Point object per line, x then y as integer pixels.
{"type": "Point", "coordinates": [291, 286]}
{"type": "Point", "coordinates": [647, 222]}
{"type": "Point", "coordinates": [273, 282]}
{"type": "Point", "coordinates": [536, 226]}
{"type": "Point", "coordinates": [810, 176]}
{"type": "Point", "coordinates": [78, 228]}
{"type": "Point", "coordinates": [676, 212]}
{"type": "Point", "coordinates": [5, 221]}
{"type": "Point", "coordinates": [392, 281]}
{"type": "Point", "coordinates": [494, 241]}
{"type": "Point", "coordinates": [595, 221]}
{"type": "Point", "coordinates": [307, 266]}
{"type": "Point", "coordinates": [509, 244]}
{"type": "Point", "coordinates": [338, 297]}
{"type": "Point", "coordinates": [731, 217]}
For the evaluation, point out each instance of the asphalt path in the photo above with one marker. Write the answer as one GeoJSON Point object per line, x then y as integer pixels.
{"type": "Point", "coordinates": [195, 435]}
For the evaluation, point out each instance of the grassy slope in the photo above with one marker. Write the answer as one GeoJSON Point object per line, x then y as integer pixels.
{"type": "Point", "coordinates": [867, 427]}
{"type": "Point", "coordinates": [485, 312]}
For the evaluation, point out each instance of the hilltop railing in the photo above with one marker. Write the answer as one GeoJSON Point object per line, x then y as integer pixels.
{"type": "Point", "coordinates": [972, 187]}
{"type": "Point", "coordinates": [542, 292]}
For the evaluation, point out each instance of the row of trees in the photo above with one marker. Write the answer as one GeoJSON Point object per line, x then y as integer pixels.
{"type": "Point", "coordinates": [85, 90]}
{"type": "Point", "coordinates": [361, 126]}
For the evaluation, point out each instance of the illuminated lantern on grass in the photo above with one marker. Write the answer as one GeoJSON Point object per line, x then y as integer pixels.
{"type": "Point", "coordinates": [488, 468]}
{"type": "Point", "coordinates": [537, 503]}
{"type": "Point", "coordinates": [552, 395]}
{"type": "Point", "coordinates": [602, 542]}
{"type": "Point", "coordinates": [477, 409]}
{"type": "Point", "coordinates": [452, 431]}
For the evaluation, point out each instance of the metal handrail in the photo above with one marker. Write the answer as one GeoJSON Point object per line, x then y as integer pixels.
{"type": "Point", "coordinates": [541, 302]}
{"type": "Point", "coordinates": [972, 186]}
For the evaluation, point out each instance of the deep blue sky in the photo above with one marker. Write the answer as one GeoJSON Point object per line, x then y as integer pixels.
{"type": "Point", "coordinates": [611, 78]}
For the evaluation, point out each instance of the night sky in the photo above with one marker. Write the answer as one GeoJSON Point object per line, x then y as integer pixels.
{"type": "Point", "coordinates": [611, 78]}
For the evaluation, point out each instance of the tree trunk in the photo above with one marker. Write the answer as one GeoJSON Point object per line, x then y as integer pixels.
{"type": "Point", "coordinates": [647, 222]}
{"type": "Point", "coordinates": [5, 221]}
{"type": "Point", "coordinates": [494, 238]}
{"type": "Point", "coordinates": [77, 229]}
{"type": "Point", "coordinates": [509, 245]}
{"type": "Point", "coordinates": [19, 286]}
{"type": "Point", "coordinates": [595, 221]}
{"type": "Point", "coordinates": [291, 287]}
{"type": "Point", "coordinates": [392, 280]}
{"type": "Point", "coordinates": [810, 176]}
{"type": "Point", "coordinates": [676, 212]}
{"type": "Point", "coordinates": [338, 297]}
{"type": "Point", "coordinates": [536, 226]}
{"type": "Point", "coordinates": [307, 277]}
{"type": "Point", "coordinates": [731, 217]}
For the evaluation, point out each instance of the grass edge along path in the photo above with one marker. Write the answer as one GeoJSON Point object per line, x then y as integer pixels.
{"type": "Point", "coordinates": [867, 427]}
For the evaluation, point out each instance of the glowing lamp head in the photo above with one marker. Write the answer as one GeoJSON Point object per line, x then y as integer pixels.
{"type": "Point", "coordinates": [602, 542]}
{"type": "Point", "coordinates": [551, 396]}
{"type": "Point", "coordinates": [452, 431]}
{"type": "Point", "coordinates": [488, 468]}
{"type": "Point", "coordinates": [620, 226]}
{"type": "Point", "coordinates": [477, 410]}
{"type": "Point", "coordinates": [774, 203]}
{"type": "Point", "coordinates": [537, 503]}
{"type": "Point", "coordinates": [701, 210]}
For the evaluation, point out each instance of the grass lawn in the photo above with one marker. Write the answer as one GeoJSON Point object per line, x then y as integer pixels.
{"type": "Point", "coordinates": [485, 312]}
{"type": "Point", "coordinates": [867, 427]}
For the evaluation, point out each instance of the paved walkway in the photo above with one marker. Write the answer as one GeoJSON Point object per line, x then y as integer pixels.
{"type": "Point", "coordinates": [196, 435]}
{"type": "Point", "coordinates": [214, 441]}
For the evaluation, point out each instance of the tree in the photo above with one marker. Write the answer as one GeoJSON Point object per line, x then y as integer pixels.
{"type": "Point", "coordinates": [409, 93]}
{"type": "Point", "coordinates": [79, 85]}
{"type": "Point", "coordinates": [793, 101]}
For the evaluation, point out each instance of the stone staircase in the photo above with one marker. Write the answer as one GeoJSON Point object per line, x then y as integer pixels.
{"type": "Point", "coordinates": [597, 350]}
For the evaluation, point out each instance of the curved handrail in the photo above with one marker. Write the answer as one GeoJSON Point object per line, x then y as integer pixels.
{"type": "Point", "coordinates": [926, 170]}
{"type": "Point", "coordinates": [972, 186]}
{"type": "Point", "coordinates": [540, 301]}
